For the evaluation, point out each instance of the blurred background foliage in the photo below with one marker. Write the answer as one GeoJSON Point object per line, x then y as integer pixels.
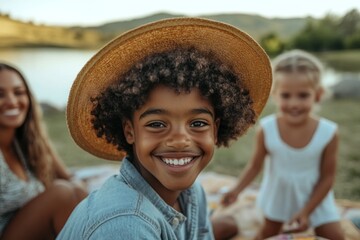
{"type": "Point", "coordinates": [331, 33]}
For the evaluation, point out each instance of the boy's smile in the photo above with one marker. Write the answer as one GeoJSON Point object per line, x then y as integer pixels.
{"type": "Point", "coordinates": [173, 137]}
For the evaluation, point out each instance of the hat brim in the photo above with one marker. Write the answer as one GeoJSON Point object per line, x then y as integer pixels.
{"type": "Point", "coordinates": [231, 45]}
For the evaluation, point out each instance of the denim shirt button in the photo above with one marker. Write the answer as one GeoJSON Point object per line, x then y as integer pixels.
{"type": "Point", "coordinates": [175, 221]}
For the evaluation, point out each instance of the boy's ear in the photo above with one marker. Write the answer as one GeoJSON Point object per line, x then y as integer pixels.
{"type": "Point", "coordinates": [128, 131]}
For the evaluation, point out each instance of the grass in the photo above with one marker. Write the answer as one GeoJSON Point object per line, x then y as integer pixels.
{"type": "Point", "coordinates": [68, 150]}
{"type": "Point", "coordinates": [232, 160]}
{"type": "Point", "coordinates": [348, 61]}
{"type": "Point", "coordinates": [345, 112]}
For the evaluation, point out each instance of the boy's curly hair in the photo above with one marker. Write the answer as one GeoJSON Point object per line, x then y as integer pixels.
{"type": "Point", "coordinates": [182, 70]}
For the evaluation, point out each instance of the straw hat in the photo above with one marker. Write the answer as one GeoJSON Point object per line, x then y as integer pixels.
{"type": "Point", "coordinates": [229, 44]}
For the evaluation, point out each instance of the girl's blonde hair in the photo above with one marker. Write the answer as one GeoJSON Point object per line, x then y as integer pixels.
{"type": "Point", "coordinates": [299, 62]}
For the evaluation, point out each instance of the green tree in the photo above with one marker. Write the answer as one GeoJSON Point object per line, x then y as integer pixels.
{"type": "Point", "coordinates": [319, 35]}
{"type": "Point", "coordinates": [353, 41]}
{"type": "Point", "coordinates": [329, 33]}
{"type": "Point", "coordinates": [272, 44]}
{"type": "Point", "coordinates": [349, 23]}
{"type": "Point", "coordinates": [349, 28]}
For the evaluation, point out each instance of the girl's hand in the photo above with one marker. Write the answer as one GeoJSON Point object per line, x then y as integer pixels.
{"type": "Point", "coordinates": [229, 198]}
{"type": "Point", "coordinates": [300, 222]}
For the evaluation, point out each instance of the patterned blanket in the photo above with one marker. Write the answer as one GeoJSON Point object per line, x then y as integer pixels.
{"type": "Point", "coordinates": [247, 216]}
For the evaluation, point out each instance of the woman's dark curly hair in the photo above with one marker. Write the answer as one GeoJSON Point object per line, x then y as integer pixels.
{"type": "Point", "coordinates": [182, 70]}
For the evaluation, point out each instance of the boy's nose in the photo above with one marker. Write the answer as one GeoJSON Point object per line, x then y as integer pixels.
{"type": "Point", "coordinates": [178, 139]}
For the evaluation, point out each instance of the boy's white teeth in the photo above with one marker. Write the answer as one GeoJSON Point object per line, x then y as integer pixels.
{"type": "Point", "coordinates": [177, 161]}
{"type": "Point", "coordinates": [12, 112]}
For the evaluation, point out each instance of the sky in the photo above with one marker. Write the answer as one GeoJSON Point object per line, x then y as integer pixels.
{"type": "Point", "coordinates": [96, 12]}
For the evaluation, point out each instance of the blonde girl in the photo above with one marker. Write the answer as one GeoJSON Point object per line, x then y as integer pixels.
{"type": "Point", "coordinates": [299, 150]}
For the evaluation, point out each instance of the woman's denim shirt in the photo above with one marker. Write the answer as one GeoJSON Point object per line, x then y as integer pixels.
{"type": "Point", "coordinates": [126, 207]}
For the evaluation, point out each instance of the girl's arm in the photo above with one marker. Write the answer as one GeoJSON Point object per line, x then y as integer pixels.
{"type": "Point", "coordinates": [252, 169]}
{"type": "Point", "coordinates": [324, 184]}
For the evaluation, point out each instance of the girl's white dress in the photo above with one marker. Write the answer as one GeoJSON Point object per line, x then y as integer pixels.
{"type": "Point", "coordinates": [290, 175]}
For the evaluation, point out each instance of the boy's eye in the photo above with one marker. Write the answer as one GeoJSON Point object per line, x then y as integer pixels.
{"type": "Point", "coordinates": [156, 125]}
{"type": "Point", "coordinates": [199, 124]}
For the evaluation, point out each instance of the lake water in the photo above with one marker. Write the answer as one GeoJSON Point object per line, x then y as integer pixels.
{"type": "Point", "coordinates": [51, 72]}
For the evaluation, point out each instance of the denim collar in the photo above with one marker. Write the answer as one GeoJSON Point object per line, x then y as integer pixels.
{"type": "Point", "coordinates": [134, 179]}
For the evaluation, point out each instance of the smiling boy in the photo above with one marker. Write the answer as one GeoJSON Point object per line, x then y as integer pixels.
{"type": "Point", "coordinates": [172, 142]}
{"type": "Point", "coordinates": [164, 96]}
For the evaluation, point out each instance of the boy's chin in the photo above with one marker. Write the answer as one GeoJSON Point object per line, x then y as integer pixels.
{"type": "Point", "coordinates": [179, 186]}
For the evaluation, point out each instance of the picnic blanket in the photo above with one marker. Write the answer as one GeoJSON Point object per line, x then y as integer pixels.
{"type": "Point", "coordinates": [249, 218]}
{"type": "Point", "coordinates": [245, 212]}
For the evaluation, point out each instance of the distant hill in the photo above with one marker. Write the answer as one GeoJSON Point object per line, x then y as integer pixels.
{"type": "Point", "coordinates": [112, 29]}
{"type": "Point", "coordinates": [255, 25]}
{"type": "Point", "coordinates": [14, 33]}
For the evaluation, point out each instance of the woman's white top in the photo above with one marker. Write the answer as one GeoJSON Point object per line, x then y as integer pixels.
{"type": "Point", "coordinates": [15, 192]}
{"type": "Point", "coordinates": [290, 174]}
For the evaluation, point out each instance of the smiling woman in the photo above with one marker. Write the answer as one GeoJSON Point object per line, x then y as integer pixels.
{"type": "Point", "coordinates": [31, 193]}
